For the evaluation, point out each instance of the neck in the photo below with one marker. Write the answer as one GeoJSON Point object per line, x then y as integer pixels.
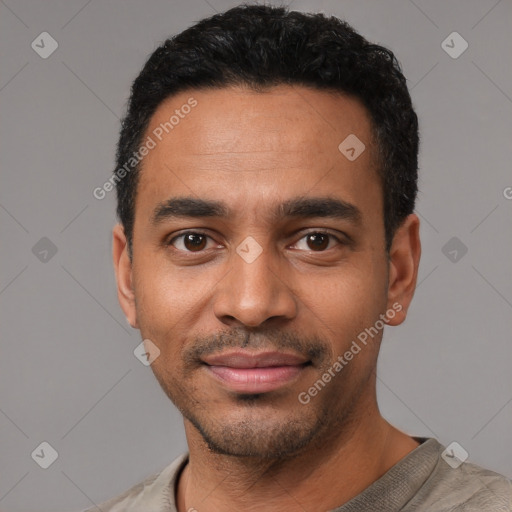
{"type": "Point", "coordinates": [322, 477]}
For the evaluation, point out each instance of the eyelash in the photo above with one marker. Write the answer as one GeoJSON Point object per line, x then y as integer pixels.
{"type": "Point", "coordinates": [313, 232]}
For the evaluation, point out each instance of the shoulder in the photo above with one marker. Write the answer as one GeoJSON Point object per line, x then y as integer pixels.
{"type": "Point", "coordinates": [467, 488]}
{"type": "Point", "coordinates": [482, 489]}
{"type": "Point", "coordinates": [154, 493]}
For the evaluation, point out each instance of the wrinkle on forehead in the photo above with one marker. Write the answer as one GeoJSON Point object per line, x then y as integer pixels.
{"type": "Point", "coordinates": [285, 137]}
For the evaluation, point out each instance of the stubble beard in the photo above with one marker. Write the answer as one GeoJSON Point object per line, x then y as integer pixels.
{"type": "Point", "coordinates": [258, 434]}
{"type": "Point", "coordinates": [263, 426]}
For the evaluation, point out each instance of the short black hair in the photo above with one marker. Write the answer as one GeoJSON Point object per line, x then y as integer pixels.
{"type": "Point", "coordinates": [261, 46]}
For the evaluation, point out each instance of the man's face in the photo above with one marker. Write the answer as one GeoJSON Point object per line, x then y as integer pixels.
{"type": "Point", "coordinates": [245, 325]}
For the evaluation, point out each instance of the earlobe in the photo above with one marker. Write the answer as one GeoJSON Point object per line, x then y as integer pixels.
{"type": "Point", "coordinates": [123, 271]}
{"type": "Point", "coordinates": [404, 259]}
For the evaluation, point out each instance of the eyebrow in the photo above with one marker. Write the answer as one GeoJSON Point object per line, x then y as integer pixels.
{"type": "Point", "coordinates": [299, 207]}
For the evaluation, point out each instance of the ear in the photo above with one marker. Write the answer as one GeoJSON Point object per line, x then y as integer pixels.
{"type": "Point", "coordinates": [404, 259]}
{"type": "Point", "coordinates": [123, 269]}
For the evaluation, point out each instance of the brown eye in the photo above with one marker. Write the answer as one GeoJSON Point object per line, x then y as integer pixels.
{"type": "Point", "coordinates": [318, 241]}
{"type": "Point", "coordinates": [194, 241]}
{"type": "Point", "coordinates": [190, 242]}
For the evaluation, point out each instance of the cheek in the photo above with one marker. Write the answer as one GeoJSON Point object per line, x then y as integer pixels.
{"type": "Point", "coordinates": [159, 296]}
{"type": "Point", "coordinates": [171, 302]}
{"type": "Point", "coordinates": [346, 302]}
{"type": "Point", "coordinates": [353, 289]}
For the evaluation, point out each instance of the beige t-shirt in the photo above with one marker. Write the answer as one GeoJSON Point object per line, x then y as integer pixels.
{"type": "Point", "coordinates": [422, 481]}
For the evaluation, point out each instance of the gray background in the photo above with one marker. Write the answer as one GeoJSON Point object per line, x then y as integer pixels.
{"type": "Point", "coordinates": [68, 375]}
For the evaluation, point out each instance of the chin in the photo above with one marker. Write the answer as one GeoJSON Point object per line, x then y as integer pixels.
{"type": "Point", "coordinates": [257, 438]}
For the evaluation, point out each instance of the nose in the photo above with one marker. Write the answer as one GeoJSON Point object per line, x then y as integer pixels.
{"type": "Point", "coordinates": [253, 292]}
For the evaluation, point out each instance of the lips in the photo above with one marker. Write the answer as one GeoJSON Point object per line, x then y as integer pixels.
{"type": "Point", "coordinates": [247, 372]}
{"type": "Point", "coordinates": [254, 360]}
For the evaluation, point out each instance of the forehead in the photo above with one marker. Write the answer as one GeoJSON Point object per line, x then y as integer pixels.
{"type": "Point", "coordinates": [252, 146]}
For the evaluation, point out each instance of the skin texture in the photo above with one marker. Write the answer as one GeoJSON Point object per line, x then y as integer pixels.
{"type": "Point", "coordinates": [253, 151]}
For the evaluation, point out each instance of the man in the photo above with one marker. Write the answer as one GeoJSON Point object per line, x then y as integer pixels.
{"type": "Point", "coordinates": [266, 177]}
